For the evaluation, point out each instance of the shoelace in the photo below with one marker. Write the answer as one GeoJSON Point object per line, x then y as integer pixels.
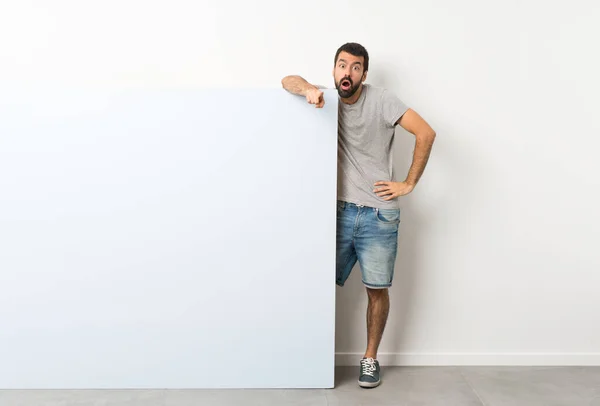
{"type": "Point", "coordinates": [367, 366]}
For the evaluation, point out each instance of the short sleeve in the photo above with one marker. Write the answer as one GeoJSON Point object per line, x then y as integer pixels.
{"type": "Point", "coordinates": [392, 108]}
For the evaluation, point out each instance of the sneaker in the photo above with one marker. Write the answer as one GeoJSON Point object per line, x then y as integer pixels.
{"type": "Point", "coordinates": [369, 373]}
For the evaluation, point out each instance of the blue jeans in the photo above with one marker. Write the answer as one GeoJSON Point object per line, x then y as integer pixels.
{"type": "Point", "coordinates": [370, 236]}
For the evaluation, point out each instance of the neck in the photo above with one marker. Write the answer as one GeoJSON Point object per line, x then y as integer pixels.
{"type": "Point", "coordinates": [353, 99]}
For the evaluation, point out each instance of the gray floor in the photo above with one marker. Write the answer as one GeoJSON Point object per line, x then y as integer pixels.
{"type": "Point", "coordinates": [464, 386]}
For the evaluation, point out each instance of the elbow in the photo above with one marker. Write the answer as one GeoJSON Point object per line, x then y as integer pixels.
{"type": "Point", "coordinates": [431, 134]}
{"type": "Point", "coordinates": [286, 80]}
{"type": "Point", "coordinates": [427, 136]}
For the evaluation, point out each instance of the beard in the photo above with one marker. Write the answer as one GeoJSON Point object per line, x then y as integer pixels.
{"type": "Point", "coordinates": [349, 92]}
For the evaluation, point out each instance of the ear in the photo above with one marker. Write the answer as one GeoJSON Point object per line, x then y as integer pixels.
{"type": "Point", "coordinates": [365, 76]}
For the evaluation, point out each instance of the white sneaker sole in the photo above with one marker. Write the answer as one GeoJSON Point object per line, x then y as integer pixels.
{"type": "Point", "coordinates": [369, 384]}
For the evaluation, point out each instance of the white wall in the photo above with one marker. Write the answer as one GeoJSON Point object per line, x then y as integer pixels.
{"type": "Point", "coordinates": [498, 259]}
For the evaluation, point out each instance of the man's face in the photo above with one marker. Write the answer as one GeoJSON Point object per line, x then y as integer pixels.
{"type": "Point", "coordinates": [348, 74]}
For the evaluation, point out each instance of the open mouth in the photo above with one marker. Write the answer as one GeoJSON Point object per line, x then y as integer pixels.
{"type": "Point", "coordinates": [345, 84]}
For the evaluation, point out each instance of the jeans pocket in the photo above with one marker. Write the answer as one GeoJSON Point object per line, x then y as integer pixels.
{"type": "Point", "coordinates": [388, 216]}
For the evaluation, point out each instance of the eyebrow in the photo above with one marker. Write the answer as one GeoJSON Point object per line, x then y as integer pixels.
{"type": "Point", "coordinates": [343, 60]}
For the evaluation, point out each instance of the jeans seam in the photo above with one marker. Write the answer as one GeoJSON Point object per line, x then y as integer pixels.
{"type": "Point", "coordinates": [345, 266]}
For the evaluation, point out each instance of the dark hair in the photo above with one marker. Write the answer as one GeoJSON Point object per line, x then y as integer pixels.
{"type": "Point", "coordinates": [353, 49]}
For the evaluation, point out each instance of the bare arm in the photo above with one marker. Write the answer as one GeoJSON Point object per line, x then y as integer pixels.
{"type": "Point", "coordinates": [297, 85]}
{"type": "Point", "coordinates": [412, 122]}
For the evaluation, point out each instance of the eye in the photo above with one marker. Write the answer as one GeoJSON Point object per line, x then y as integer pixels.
{"type": "Point", "coordinates": [356, 67]}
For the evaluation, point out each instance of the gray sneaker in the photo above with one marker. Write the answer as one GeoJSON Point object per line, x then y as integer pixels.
{"type": "Point", "coordinates": [369, 373]}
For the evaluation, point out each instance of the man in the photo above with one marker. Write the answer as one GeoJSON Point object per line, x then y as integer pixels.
{"type": "Point", "coordinates": [368, 213]}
